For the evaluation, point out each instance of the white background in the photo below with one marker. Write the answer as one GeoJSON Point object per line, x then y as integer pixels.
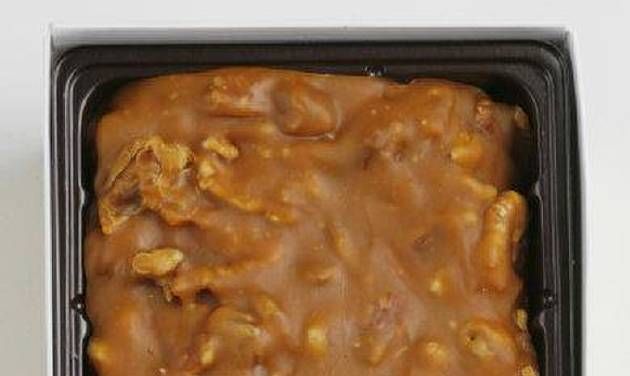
{"type": "Point", "coordinates": [601, 34]}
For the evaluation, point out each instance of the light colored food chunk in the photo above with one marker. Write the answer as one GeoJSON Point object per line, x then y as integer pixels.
{"type": "Point", "coordinates": [99, 351]}
{"type": "Point", "coordinates": [221, 146]}
{"type": "Point", "coordinates": [439, 283]}
{"type": "Point", "coordinates": [503, 226]}
{"type": "Point", "coordinates": [232, 338]}
{"type": "Point", "coordinates": [233, 96]}
{"type": "Point", "coordinates": [148, 173]}
{"type": "Point", "coordinates": [233, 323]}
{"type": "Point", "coordinates": [488, 341]}
{"type": "Point", "coordinates": [157, 262]}
{"type": "Point", "coordinates": [208, 352]}
{"type": "Point", "coordinates": [205, 171]}
{"type": "Point", "coordinates": [265, 306]}
{"type": "Point", "coordinates": [433, 354]}
{"type": "Point", "coordinates": [316, 337]}
{"type": "Point", "coordinates": [528, 371]}
{"type": "Point", "coordinates": [520, 317]}
{"type": "Point", "coordinates": [481, 190]}
{"type": "Point", "coordinates": [243, 202]}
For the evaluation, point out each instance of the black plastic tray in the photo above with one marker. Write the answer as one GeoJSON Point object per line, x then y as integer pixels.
{"type": "Point", "coordinates": [534, 72]}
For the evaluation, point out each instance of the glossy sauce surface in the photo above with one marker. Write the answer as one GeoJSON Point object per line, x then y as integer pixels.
{"type": "Point", "coordinates": [267, 222]}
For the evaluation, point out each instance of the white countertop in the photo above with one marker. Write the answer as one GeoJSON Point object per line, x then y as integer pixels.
{"type": "Point", "coordinates": [601, 31]}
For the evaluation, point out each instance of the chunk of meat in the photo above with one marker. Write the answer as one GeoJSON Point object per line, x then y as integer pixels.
{"type": "Point", "coordinates": [152, 174]}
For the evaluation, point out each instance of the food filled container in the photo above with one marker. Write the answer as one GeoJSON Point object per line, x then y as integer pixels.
{"type": "Point", "coordinates": [530, 68]}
